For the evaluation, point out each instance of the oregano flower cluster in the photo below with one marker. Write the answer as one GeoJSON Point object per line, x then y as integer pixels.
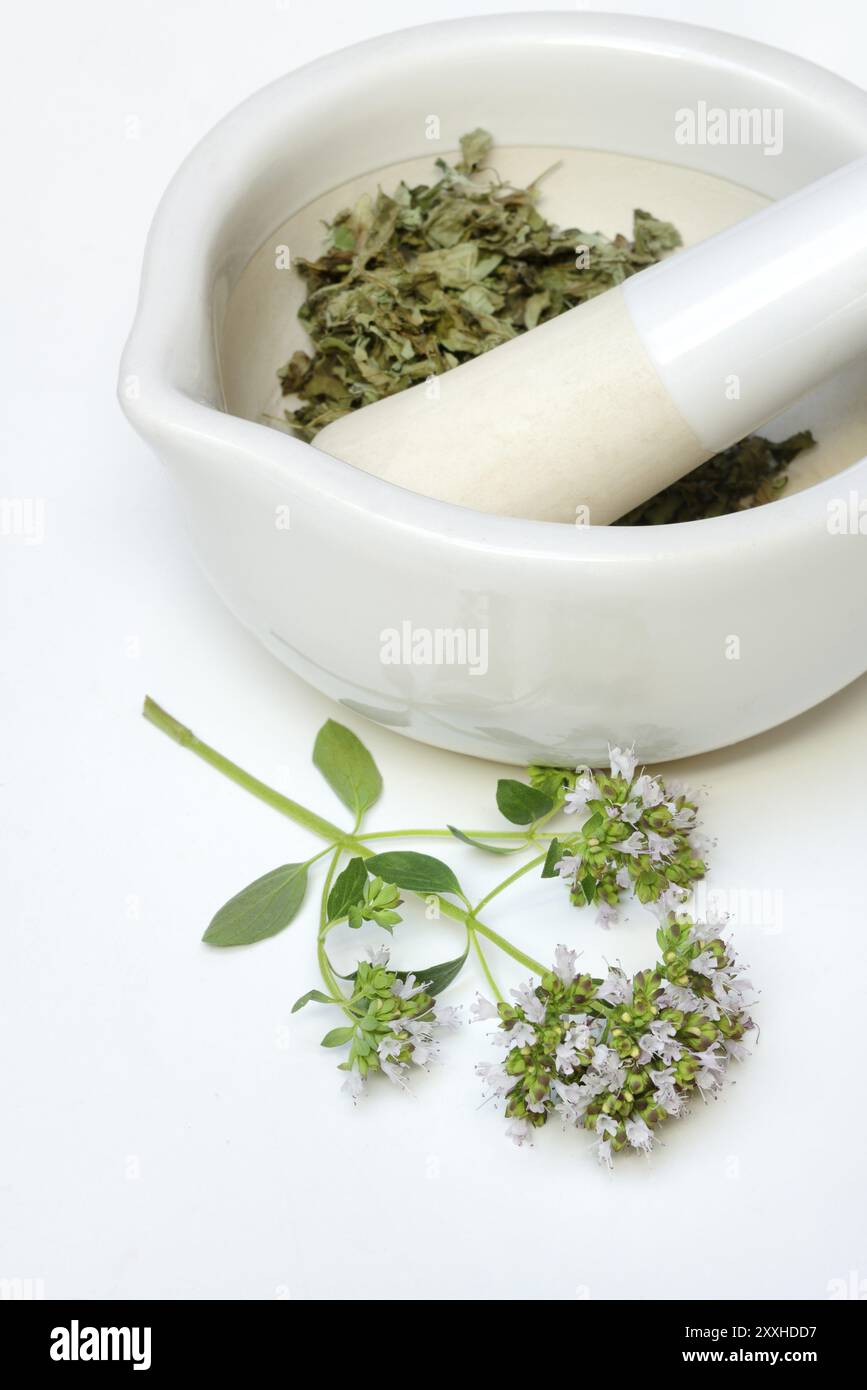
{"type": "Point", "coordinates": [637, 837]}
{"type": "Point", "coordinates": [614, 1055]}
{"type": "Point", "coordinates": [393, 1025]}
{"type": "Point", "coordinates": [619, 1056]}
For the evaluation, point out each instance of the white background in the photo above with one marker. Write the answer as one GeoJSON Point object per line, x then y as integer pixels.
{"type": "Point", "coordinates": [167, 1130]}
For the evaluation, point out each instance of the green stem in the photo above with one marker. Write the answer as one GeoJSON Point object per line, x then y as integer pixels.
{"type": "Point", "coordinates": [339, 839]}
{"type": "Point", "coordinates": [485, 967]}
{"type": "Point", "coordinates": [468, 919]}
{"type": "Point", "coordinates": [324, 963]}
{"type": "Point", "coordinates": [187, 739]}
{"type": "Point", "coordinates": [520, 956]}
{"type": "Point", "coordinates": [430, 833]}
{"type": "Point", "coordinates": [519, 873]}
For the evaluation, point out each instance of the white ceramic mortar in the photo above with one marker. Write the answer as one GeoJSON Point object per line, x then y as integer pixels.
{"type": "Point", "coordinates": [591, 634]}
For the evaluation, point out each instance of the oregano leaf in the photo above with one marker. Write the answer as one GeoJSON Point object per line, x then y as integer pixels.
{"type": "Point", "coordinates": [337, 1037]}
{"type": "Point", "coordinates": [347, 767]}
{"type": "Point", "coordinates": [261, 909]}
{"type": "Point", "coordinates": [312, 996]}
{"type": "Point", "coordinates": [419, 873]}
{"type": "Point", "coordinates": [482, 844]}
{"type": "Point", "coordinates": [436, 978]}
{"type": "Point", "coordinates": [552, 859]}
{"type": "Point", "coordinates": [588, 887]}
{"type": "Point", "coordinates": [520, 803]}
{"type": "Point", "coordinates": [347, 890]}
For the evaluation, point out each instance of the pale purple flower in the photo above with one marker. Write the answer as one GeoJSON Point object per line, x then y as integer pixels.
{"type": "Point", "coordinates": [606, 1072]}
{"type": "Point", "coordinates": [615, 988]}
{"type": "Point", "coordinates": [659, 1041]}
{"type": "Point", "coordinates": [704, 964]}
{"type": "Point", "coordinates": [526, 997]}
{"type": "Point", "coordinates": [353, 1086]}
{"type": "Point", "coordinates": [482, 1009]}
{"type": "Point", "coordinates": [679, 997]}
{"type": "Point", "coordinates": [635, 844]}
{"type": "Point", "coordinates": [425, 1047]}
{"type": "Point", "coordinates": [660, 846]}
{"type": "Point", "coordinates": [408, 988]}
{"type": "Point", "coordinates": [605, 1125]}
{"type": "Point", "coordinates": [568, 866]}
{"type": "Point", "coordinates": [389, 1048]}
{"type": "Point", "coordinates": [669, 900]}
{"type": "Point", "coordinates": [605, 915]}
{"type": "Point", "coordinates": [631, 812]}
{"type": "Point", "coordinates": [622, 762]}
{"type": "Point", "coordinates": [603, 1153]}
{"type": "Point", "coordinates": [701, 844]}
{"type": "Point", "coordinates": [711, 1069]}
{"type": "Point", "coordinates": [648, 791]}
{"type": "Point", "coordinates": [447, 1016]}
{"type": "Point", "coordinates": [730, 991]}
{"type": "Point", "coordinates": [519, 1131]}
{"type": "Point", "coordinates": [565, 964]}
{"type": "Point", "coordinates": [396, 1072]}
{"type": "Point", "coordinates": [495, 1078]}
{"type": "Point", "coordinates": [638, 1133]}
{"type": "Point", "coordinates": [666, 1095]}
{"type": "Point", "coordinates": [566, 1057]}
{"type": "Point", "coordinates": [573, 1099]}
{"type": "Point", "coordinates": [585, 790]}
{"type": "Point", "coordinates": [577, 1039]}
{"type": "Point", "coordinates": [378, 957]}
{"type": "Point", "coordinates": [519, 1035]}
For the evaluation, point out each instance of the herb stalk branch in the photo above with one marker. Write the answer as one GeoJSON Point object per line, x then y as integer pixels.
{"type": "Point", "coordinates": [339, 840]}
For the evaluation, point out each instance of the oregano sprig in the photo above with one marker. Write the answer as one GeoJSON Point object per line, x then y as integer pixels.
{"type": "Point", "coordinates": [612, 1055]}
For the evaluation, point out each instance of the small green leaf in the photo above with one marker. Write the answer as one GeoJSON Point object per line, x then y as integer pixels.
{"type": "Point", "coordinates": [348, 890]}
{"type": "Point", "coordinates": [436, 978]}
{"type": "Point", "coordinates": [482, 844]}
{"type": "Point", "coordinates": [520, 803]}
{"type": "Point", "coordinates": [588, 886]}
{"type": "Point", "coordinates": [386, 919]}
{"type": "Point", "coordinates": [312, 996]}
{"type": "Point", "coordinates": [343, 238]}
{"type": "Point", "coordinates": [347, 767]}
{"type": "Point", "coordinates": [261, 909]}
{"type": "Point", "coordinates": [593, 825]}
{"type": "Point", "coordinates": [337, 1037]}
{"type": "Point", "coordinates": [419, 873]}
{"type": "Point", "coordinates": [552, 859]}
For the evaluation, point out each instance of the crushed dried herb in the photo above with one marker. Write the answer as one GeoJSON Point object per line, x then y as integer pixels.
{"type": "Point", "coordinates": [414, 283]}
{"type": "Point", "coordinates": [746, 475]}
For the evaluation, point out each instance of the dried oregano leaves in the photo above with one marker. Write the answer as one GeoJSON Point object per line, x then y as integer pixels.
{"type": "Point", "coordinates": [746, 475]}
{"type": "Point", "coordinates": [412, 283]}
